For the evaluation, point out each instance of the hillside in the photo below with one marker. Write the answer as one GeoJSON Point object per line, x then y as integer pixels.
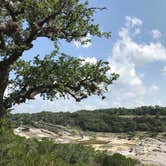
{"type": "Point", "coordinates": [138, 133]}
{"type": "Point", "coordinates": [119, 120]}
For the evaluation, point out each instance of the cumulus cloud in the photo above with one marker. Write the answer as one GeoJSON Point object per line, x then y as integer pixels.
{"type": "Point", "coordinates": [86, 40]}
{"type": "Point", "coordinates": [156, 34]}
{"type": "Point", "coordinates": [164, 70]}
{"type": "Point", "coordinates": [91, 60]}
{"type": "Point", "coordinates": [153, 89]}
{"type": "Point", "coordinates": [127, 56]}
{"type": "Point", "coordinates": [137, 52]}
{"type": "Point", "coordinates": [132, 22]}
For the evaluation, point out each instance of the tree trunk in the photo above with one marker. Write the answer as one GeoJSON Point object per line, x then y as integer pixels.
{"type": "Point", "coordinates": [4, 75]}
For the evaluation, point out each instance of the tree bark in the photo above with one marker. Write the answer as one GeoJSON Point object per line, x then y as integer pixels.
{"type": "Point", "coordinates": [4, 75]}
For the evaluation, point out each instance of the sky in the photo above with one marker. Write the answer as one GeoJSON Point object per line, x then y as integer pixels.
{"type": "Point", "coordinates": [136, 51]}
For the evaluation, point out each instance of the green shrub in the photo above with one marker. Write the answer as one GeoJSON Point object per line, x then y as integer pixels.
{"type": "Point", "coordinates": [17, 151]}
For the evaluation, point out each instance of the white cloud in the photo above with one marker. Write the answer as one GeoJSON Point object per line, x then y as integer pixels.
{"type": "Point", "coordinates": [127, 56]}
{"type": "Point", "coordinates": [87, 41]}
{"type": "Point", "coordinates": [156, 34]}
{"type": "Point", "coordinates": [137, 52]}
{"type": "Point", "coordinates": [132, 22]}
{"type": "Point", "coordinates": [91, 60]}
{"type": "Point", "coordinates": [153, 89]}
{"type": "Point", "coordinates": [137, 31]}
{"type": "Point", "coordinates": [164, 70]}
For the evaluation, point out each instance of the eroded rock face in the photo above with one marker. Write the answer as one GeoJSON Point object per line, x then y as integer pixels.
{"type": "Point", "coordinates": [147, 150]}
{"type": "Point", "coordinates": [150, 145]}
{"type": "Point", "coordinates": [150, 150]}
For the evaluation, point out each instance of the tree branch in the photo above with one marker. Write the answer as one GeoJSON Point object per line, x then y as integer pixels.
{"type": "Point", "coordinates": [3, 27]}
{"type": "Point", "coordinates": [9, 6]}
{"type": "Point", "coordinates": [22, 95]}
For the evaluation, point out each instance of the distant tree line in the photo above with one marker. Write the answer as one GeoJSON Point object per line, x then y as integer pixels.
{"type": "Point", "coordinates": [149, 118]}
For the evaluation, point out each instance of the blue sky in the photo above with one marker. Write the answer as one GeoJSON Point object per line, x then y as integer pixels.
{"type": "Point", "coordinates": [136, 50]}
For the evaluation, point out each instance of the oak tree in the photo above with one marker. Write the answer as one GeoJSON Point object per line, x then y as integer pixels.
{"type": "Point", "coordinates": [56, 75]}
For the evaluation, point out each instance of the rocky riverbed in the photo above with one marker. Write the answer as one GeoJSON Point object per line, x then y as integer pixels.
{"type": "Point", "coordinates": [148, 150]}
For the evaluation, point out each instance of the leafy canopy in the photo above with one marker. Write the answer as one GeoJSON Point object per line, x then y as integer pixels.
{"type": "Point", "coordinates": [56, 75]}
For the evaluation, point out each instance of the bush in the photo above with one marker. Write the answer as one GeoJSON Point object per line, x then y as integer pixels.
{"type": "Point", "coordinates": [17, 151]}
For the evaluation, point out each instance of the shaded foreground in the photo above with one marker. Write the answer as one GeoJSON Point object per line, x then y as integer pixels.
{"type": "Point", "coordinates": [18, 151]}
